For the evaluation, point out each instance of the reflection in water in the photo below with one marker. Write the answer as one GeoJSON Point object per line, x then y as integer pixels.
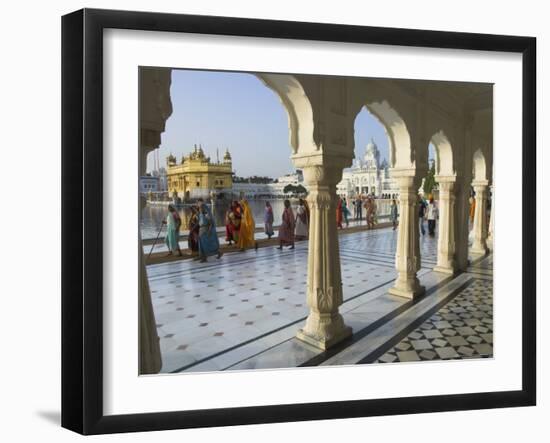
{"type": "Point", "coordinates": [152, 215]}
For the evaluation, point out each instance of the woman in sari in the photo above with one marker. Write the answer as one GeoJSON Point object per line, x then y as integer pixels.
{"type": "Point", "coordinates": [339, 214]}
{"type": "Point", "coordinates": [208, 237]}
{"type": "Point", "coordinates": [371, 210]}
{"type": "Point", "coordinates": [302, 221]}
{"type": "Point", "coordinates": [193, 238]}
{"type": "Point", "coordinates": [345, 211]}
{"type": "Point", "coordinates": [248, 226]}
{"type": "Point", "coordinates": [472, 211]}
{"type": "Point", "coordinates": [394, 215]}
{"type": "Point", "coordinates": [286, 230]}
{"type": "Point", "coordinates": [233, 222]}
{"type": "Point", "coordinates": [268, 220]}
{"type": "Point", "coordinates": [173, 223]}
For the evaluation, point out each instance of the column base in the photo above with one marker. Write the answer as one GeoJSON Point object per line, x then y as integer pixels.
{"type": "Point", "coordinates": [324, 342]}
{"type": "Point", "coordinates": [410, 293]}
{"type": "Point", "coordinates": [479, 251]}
{"type": "Point", "coordinates": [445, 270]}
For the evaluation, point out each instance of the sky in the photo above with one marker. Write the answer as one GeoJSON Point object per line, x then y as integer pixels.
{"type": "Point", "coordinates": [222, 110]}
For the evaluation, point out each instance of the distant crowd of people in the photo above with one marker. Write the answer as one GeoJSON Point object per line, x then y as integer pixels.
{"type": "Point", "coordinates": [240, 226]}
{"type": "Point", "coordinates": [360, 202]}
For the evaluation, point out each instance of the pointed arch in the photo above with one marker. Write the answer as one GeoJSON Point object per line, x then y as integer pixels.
{"type": "Point", "coordinates": [399, 140]}
{"type": "Point", "coordinates": [444, 165]}
{"type": "Point", "coordinates": [479, 166]}
{"type": "Point", "coordinates": [298, 107]}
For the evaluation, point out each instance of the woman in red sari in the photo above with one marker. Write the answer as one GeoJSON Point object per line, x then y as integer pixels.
{"type": "Point", "coordinates": [286, 230]}
{"type": "Point", "coordinates": [339, 214]}
{"type": "Point", "coordinates": [233, 222]}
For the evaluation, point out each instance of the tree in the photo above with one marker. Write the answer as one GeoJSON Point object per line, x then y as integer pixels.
{"type": "Point", "coordinates": [295, 189]}
{"type": "Point", "coordinates": [289, 189]}
{"type": "Point", "coordinates": [429, 182]}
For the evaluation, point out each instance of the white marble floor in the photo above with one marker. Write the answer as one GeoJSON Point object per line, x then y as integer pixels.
{"type": "Point", "coordinates": [243, 310]}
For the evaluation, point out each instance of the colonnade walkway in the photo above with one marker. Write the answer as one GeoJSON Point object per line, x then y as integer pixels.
{"type": "Point", "coordinates": [243, 311]}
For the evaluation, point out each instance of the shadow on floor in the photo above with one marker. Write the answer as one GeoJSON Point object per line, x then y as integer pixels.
{"type": "Point", "coordinates": [54, 417]}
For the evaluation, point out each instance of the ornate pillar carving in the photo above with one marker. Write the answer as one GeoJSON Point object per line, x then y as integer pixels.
{"type": "Point", "coordinates": [446, 241]}
{"type": "Point", "coordinates": [479, 245]}
{"type": "Point", "coordinates": [324, 325]}
{"type": "Point", "coordinates": [407, 255]}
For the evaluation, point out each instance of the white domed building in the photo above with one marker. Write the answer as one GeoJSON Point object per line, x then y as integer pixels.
{"type": "Point", "coordinates": [368, 176]}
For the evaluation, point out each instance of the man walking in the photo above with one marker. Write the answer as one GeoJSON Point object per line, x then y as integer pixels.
{"type": "Point", "coordinates": [421, 214]}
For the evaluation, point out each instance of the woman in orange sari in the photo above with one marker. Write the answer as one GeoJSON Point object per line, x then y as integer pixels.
{"type": "Point", "coordinates": [339, 214]}
{"type": "Point", "coordinates": [248, 226]}
{"type": "Point", "coordinates": [472, 211]}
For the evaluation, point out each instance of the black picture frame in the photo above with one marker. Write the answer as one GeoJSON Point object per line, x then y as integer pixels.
{"type": "Point", "coordinates": [82, 253]}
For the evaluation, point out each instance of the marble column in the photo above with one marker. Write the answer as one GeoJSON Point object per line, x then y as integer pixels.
{"type": "Point", "coordinates": [446, 240]}
{"type": "Point", "coordinates": [479, 245]}
{"type": "Point", "coordinates": [490, 244]}
{"type": "Point", "coordinates": [324, 325]}
{"type": "Point", "coordinates": [407, 256]}
{"type": "Point", "coordinates": [150, 359]}
{"type": "Point", "coordinates": [462, 227]}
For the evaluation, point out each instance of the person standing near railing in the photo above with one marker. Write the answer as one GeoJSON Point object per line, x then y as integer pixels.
{"type": "Point", "coordinates": [268, 220]}
{"type": "Point", "coordinates": [394, 214]}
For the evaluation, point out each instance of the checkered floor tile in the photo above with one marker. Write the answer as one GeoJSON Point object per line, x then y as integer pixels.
{"type": "Point", "coordinates": [462, 329]}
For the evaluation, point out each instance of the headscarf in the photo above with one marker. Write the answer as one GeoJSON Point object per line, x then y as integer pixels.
{"type": "Point", "coordinates": [205, 217]}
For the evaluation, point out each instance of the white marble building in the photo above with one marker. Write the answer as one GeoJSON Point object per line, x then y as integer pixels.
{"type": "Point", "coordinates": [368, 176]}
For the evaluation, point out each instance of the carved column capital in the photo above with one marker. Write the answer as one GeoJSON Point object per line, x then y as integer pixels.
{"type": "Point", "coordinates": [480, 184]}
{"type": "Point", "coordinates": [320, 169]}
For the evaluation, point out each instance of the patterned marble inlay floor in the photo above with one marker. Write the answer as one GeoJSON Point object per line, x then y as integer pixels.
{"type": "Point", "coordinates": [203, 310]}
{"type": "Point", "coordinates": [461, 329]}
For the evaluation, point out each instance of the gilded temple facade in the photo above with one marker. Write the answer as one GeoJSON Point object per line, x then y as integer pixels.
{"type": "Point", "coordinates": [197, 176]}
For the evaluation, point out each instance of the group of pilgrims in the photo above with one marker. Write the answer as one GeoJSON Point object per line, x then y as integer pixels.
{"type": "Point", "coordinates": [343, 213]}
{"type": "Point", "coordinates": [239, 224]}
{"type": "Point", "coordinates": [202, 239]}
{"type": "Point", "coordinates": [240, 228]}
